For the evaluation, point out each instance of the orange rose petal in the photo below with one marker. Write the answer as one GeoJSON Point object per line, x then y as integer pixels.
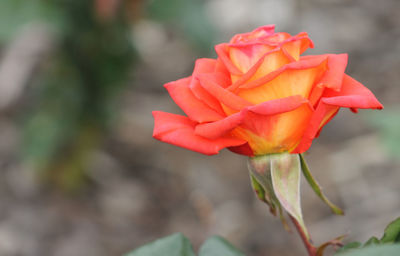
{"type": "Point", "coordinates": [315, 95]}
{"type": "Point", "coordinates": [275, 130]}
{"type": "Point", "coordinates": [244, 57]}
{"type": "Point", "coordinates": [332, 78]}
{"type": "Point", "coordinates": [272, 61]}
{"type": "Point", "coordinates": [292, 80]}
{"type": "Point", "coordinates": [321, 112]}
{"type": "Point", "coordinates": [278, 105]}
{"type": "Point", "coordinates": [224, 96]}
{"type": "Point", "coordinates": [239, 80]}
{"type": "Point", "coordinates": [245, 53]}
{"type": "Point", "coordinates": [221, 68]}
{"type": "Point", "coordinates": [292, 50]}
{"type": "Point", "coordinates": [219, 128]}
{"type": "Point", "coordinates": [260, 32]}
{"type": "Point", "coordinates": [276, 38]}
{"type": "Point", "coordinates": [306, 42]}
{"type": "Point", "coordinates": [192, 106]}
{"type": "Point", "coordinates": [205, 97]}
{"type": "Point", "coordinates": [352, 95]}
{"type": "Point", "coordinates": [179, 130]}
{"type": "Point", "coordinates": [206, 66]}
{"type": "Point", "coordinates": [274, 133]}
{"type": "Point", "coordinates": [299, 65]}
{"type": "Point", "coordinates": [268, 63]}
{"type": "Point", "coordinates": [296, 45]}
{"type": "Point", "coordinates": [222, 53]}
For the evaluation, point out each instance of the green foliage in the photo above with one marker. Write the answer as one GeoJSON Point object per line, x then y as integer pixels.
{"type": "Point", "coordinates": [392, 232]}
{"type": "Point", "coordinates": [349, 246]}
{"type": "Point", "coordinates": [179, 245]}
{"type": "Point", "coordinates": [77, 88]}
{"type": "Point", "coordinates": [73, 97]}
{"type": "Point", "coordinates": [54, 116]}
{"type": "Point", "coordinates": [217, 246]}
{"type": "Point", "coordinates": [16, 14]}
{"type": "Point", "coordinates": [188, 16]}
{"type": "Point", "coordinates": [173, 245]}
{"type": "Point", "coordinates": [372, 241]}
{"type": "Point", "coordinates": [381, 250]}
{"type": "Point", "coordinates": [384, 246]}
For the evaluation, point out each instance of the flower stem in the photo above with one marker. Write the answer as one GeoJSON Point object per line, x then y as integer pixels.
{"type": "Point", "coordinates": [311, 249]}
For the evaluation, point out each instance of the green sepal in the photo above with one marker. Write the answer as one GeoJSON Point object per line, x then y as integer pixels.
{"type": "Point", "coordinates": [285, 175]}
{"type": "Point", "coordinates": [316, 187]}
{"type": "Point", "coordinates": [261, 181]}
{"type": "Point", "coordinates": [260, 176]}
{"type": "Point", "coordinates": [260, 192]}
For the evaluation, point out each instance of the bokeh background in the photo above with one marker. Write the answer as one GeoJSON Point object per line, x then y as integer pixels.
{"type": "Point", "coordinates": [80, 173]}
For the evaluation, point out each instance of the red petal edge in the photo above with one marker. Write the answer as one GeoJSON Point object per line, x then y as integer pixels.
{"type": "Point", "coordinates": [191, 105]}
{"type": "Point", "coordinates": [179, 131]}
{"type": "Point", "coordinates": [352, 95]}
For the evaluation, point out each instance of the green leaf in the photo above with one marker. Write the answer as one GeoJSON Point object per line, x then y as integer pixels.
{"type": "Point", "coordinates": [217, 246]}
{"type": "Point", "coordinates": [190, 16]}
{"type": "Point", "coordinates": [351, 245]}
{"type": "Point", "coordinates": [173, 245]}
{"type": "Point", "coordinates": [285, 174]}
{"type": "Point", "coordinates": [392, 232]}
{"type": "Point", "coordinates": [316, 187]}
{"type": "Point", "coordinates": [391, 235]}
{"type": "Point", "coordinates": [379, 250]}
{"type": "Point", "coordinates": [372, 241]}
{"type": "Point", "coordinates": [15, 14]}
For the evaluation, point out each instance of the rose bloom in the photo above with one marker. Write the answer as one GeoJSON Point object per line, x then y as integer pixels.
{"type": "Point", "coordinates": [260, 96]}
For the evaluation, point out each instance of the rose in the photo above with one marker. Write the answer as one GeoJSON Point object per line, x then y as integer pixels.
{"type": "Point", "coordinates": [260, 96]}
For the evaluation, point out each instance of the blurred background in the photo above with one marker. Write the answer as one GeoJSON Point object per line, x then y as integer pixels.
{"type": "Point", "coordinates": [80, 173]}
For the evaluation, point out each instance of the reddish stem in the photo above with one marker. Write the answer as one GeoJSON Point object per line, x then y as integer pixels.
{"type": "Point", "coordinates": [311, 249]}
